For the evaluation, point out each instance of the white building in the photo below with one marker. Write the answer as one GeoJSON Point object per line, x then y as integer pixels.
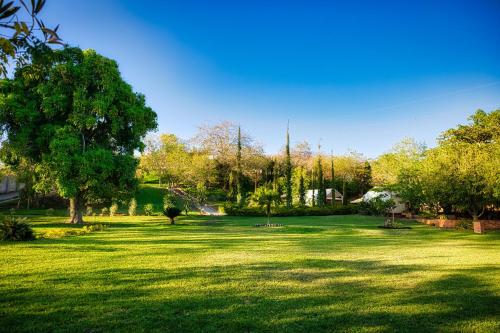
{"type": "Point", "coordinates": [309, 196]}
{"type": "Point", "coordinates": [399, 205]}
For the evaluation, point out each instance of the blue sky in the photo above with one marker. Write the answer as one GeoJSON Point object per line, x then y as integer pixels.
{"type": "Point", "coordinates": [357, 75]}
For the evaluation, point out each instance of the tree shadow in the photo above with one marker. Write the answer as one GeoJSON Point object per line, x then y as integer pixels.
{"type": "Point", "coordinates": [317, 295]}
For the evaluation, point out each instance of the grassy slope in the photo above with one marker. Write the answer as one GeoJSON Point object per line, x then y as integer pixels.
{"type": "Point", "coordinates": [315, 274]}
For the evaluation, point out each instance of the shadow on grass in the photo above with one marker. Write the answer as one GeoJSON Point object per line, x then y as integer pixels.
{"type": "Point", "coordinates": [308, 295]}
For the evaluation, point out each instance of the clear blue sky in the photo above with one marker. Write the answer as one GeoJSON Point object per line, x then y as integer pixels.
{"type": "Point", "coordinates": [358, 75]}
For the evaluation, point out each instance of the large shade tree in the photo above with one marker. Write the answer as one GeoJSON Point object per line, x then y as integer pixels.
{"type": "Point", "coordinates": [71, 114]}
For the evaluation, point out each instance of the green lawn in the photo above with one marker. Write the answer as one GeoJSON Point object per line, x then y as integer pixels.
{"type": "Point", "coordinates": [208, 274]}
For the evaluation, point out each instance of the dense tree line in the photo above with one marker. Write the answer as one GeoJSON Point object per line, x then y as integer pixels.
{"type": "Point", "coordinates": [461, 175]}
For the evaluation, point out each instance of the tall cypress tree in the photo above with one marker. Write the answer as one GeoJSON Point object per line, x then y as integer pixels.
{"type": "Point", "coordinates": [239, 188]}
{"type": "Point", "coordinates": [288, 171]}
{"type": "Point", "coordinates": [302, 189]}
{"type": "Point", "coordinates": [313, 200]}
{"type": "Point", "coordinates": [321, 184]}
{"type": "Point", "coordinates": [332, 184]}
{"type": "Point", "coordinates": [366, 178]}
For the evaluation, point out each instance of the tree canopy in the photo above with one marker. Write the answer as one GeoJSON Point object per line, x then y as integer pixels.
{"type": "Point", "coordinates": [69, 113]}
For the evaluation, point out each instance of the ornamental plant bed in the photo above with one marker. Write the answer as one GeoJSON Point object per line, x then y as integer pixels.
{"type": "Point", "coordinates": [393, 227]}
{"type": "Point", "coordinates": [269, 225]}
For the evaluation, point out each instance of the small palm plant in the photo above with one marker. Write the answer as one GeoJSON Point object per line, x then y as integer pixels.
{"type": "Point", "coordinates": [170, 207]}
{"type": "Point", "coordinates": [265, 197]}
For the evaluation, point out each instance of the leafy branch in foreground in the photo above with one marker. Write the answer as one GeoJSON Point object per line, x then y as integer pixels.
{"type": "Point", "coordinates": [21, 28]}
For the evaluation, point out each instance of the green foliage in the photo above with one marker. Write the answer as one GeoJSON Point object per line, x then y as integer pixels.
{"type": "Point", "coordinates": [113, 209]}
{"type": "Point", "coordinates": [89, 211]}
{"type": "Point", "coordinates": [81, 124]}
{"type": "Point", "coordinates": [302, 189]}
{"type": "Point", "coordinates": [464, 225]}
{"type": "Point", "coordinates": [169, 200]}
{"type": "Point", "coordinates": [13, 228]}
{"type": "Point", "coordinates": [288, 172]}
{"type": "Point", "coordinates": [172, 212]}
{"type": "Point", "coordinates": [265, 197]}
{"type": "Point", "coordinates": [149, 209]}
{"type": "Point", "coordinates": [94, 227]}
{"type": "Point", "coordinates": [104, 211]}
{"type": "Point", "coordinates": [26, 29]}
{"type": "Point", "coordinates": [321, 196]}
{"type": "Point", "coordinates": [483, 128]}
{"type": "Point", "coordinates": [49, 212]}
{"type": "Point", "coordinates": [376, 206]}
{"type": "Point", "coordinates": [132, 207]}
{"type": "Point", "coordinates": [240, 196]}
{"type": "Point", "coordinates": [365, 178]}
{"type": "Point", "coordinates": [234, 210]}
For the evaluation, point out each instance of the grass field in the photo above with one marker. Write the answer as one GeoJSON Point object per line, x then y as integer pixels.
{"type": "Point", "coordinates": [208, 274]}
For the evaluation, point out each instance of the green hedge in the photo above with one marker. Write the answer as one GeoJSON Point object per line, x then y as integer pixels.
{"type": "Point", "coordinates": [234, 210]}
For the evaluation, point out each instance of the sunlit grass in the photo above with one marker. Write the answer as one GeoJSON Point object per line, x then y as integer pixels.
{"type": "Point", "coordinates": [220, 274]}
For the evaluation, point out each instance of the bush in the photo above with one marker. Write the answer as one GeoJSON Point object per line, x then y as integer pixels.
{"type": "Point", "coordinates": [94, 227]}
{"type": "Point", "coordinates": [149, 209]}
{"type": "Point", "coordinates": [376, 206]}
{"type": "Point", "coordinates": [132, 207]}
{"type": "Point", "coordinates": [113, 209]}
{"type": "Point", "coordinates": [104, 211]}
{"type": "Point", "coordinates": [172, 212]}
{"type": "Point", "coordinates": [234, 210]}
{"type": "Point", "coordinates": [14, 228]}
{"type": "Point", "coordinates": [49, 212]}
{"type": "Point", "coordinates": [89, 211]}
{"type": "Point", "coordinates": [464, 225]}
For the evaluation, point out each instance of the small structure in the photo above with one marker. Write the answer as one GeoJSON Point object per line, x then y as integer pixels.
{"type": "Point", "coordinates": [309, 196]}
{"type": "Point", "coordinates": [399, 204]}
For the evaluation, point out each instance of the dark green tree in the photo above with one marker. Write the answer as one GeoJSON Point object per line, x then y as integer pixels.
{"type": "Point", "coordinates": [365, 178]}
{"type": "Point", "coordinates": [302, 189]}
{"type": "Point", "coordinates": [288, 171]}
{"type": "Point", "coordinates": [239, 173]}
{"type": "Point", "coordinates": [321, 184]}
{"type": "Point", "coordinates": [70, 114]}
{"type": "Point", "coordinates": [332, 181]}
{"type": "Point", "coordinates": [313, 183]}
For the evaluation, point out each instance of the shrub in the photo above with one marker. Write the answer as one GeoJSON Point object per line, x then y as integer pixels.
{"type": "Point", "coordinates": [132, 207]}
{"type": "Point", "coordinates": [233, 210]}
{"type": "Point", "coordinates": [464, 225]}
{"type": "Point", "coordinates": [89, 211]}
{"type": "Point", "coordinates": [49, 212]}
{"type": "Point", "coordinates": [149, 209]}
{"type": "Point", "coordinates": [14, 228]}
{"type": "Point", "coordinates": [113, 209]}
{"type": "Point", "coordinates": [104, 211]}
{"type": "Point", "coordinates": [376, 206]}
{"type": "Point", "coordinates": [172, 212]}
{"type": "Point", "coordinates": [94, 227]}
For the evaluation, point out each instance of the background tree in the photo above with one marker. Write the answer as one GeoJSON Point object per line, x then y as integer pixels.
{"type": "Point", "coordinates": [302, 188]}
{"type": "Point", "coordinates": [386, 168]}
{"type": "Point", "coordinates": [239, 172]}
{"type": "Point", "coordinates": [70, 113]}
{"type": "Point", "coordinates": [321, 183]}
{"type": "Point", "coordinates": [332, 181]}
{"type": "Point", "coordinates": [365, 178]}
{"type": "Point", "coordinates": [288, 171]}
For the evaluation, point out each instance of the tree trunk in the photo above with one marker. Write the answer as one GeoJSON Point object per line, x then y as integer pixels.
{"type": "Point", "coordinates": [75, 211]}
{"type": "Point", "coordinates": [172, 220]}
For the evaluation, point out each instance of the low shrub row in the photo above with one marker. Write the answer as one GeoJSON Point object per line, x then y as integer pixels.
{"type": "Point", "coordinates": [234, 210]}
